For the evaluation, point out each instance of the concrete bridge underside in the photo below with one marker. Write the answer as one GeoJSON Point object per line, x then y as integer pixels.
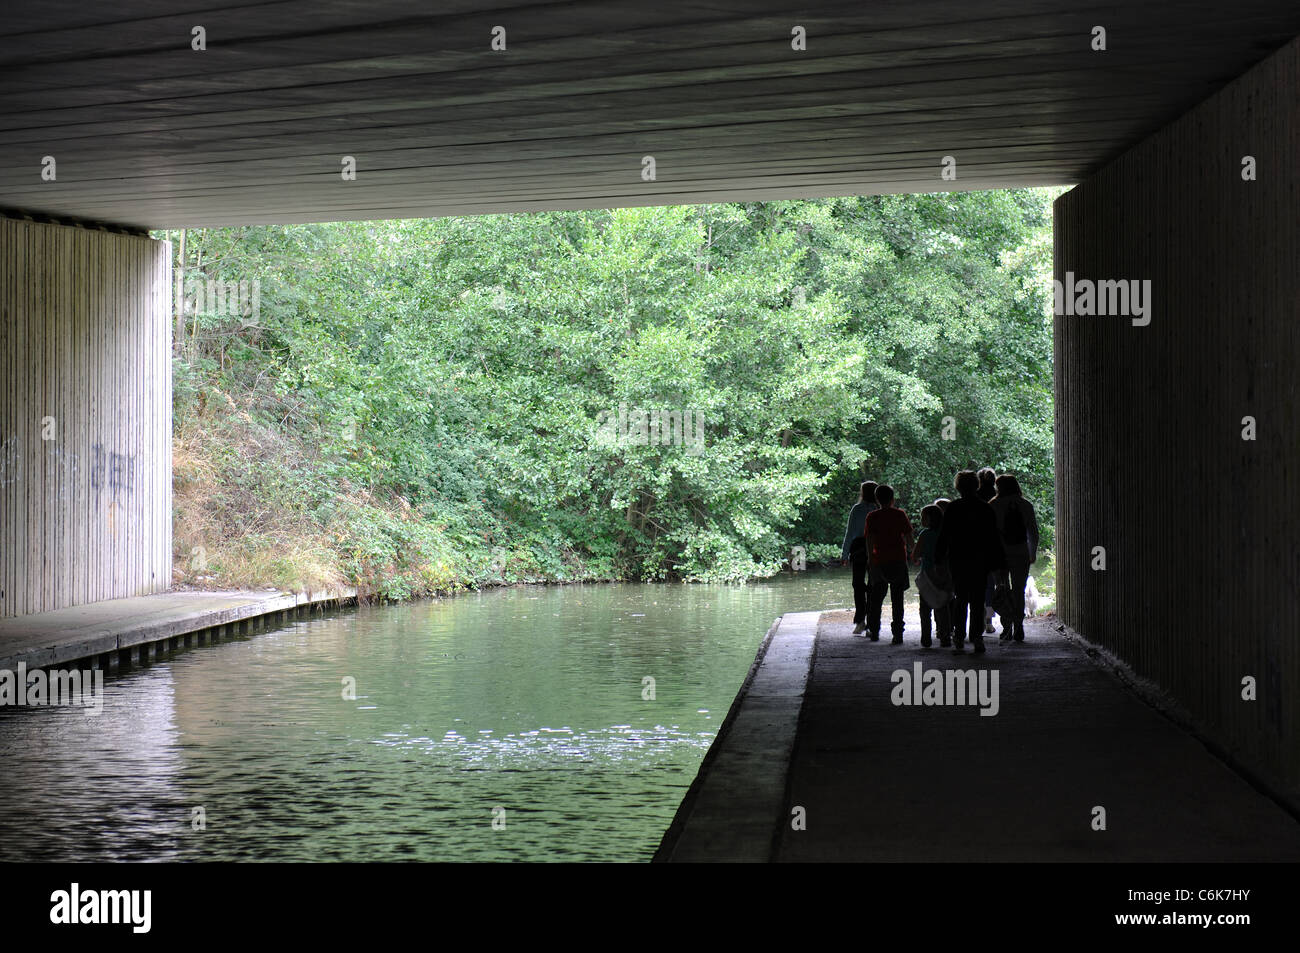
{"type": "Point", "coordinates": [148, 131]}
{"type": "Point", "coordinates": [1181, 133]}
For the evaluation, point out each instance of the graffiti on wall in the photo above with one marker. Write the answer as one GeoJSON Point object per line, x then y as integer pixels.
{"type": "Point", "coordinates": [108, 470]}
{"type": "Point", "coordinates": [11, 460]}
{"type": "Point", "coordinates": [112, 471]}
{"type": "Point", "coordinates": [65, 466]}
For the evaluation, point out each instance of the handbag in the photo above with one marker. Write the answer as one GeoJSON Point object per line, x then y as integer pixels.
{"type": "Point", "coordinates": [936, 596]}
{"type": "Point", "coordinates": [1002, 603]}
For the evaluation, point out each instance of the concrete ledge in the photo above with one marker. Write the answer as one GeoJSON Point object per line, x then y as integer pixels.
{"type": "Point", "coordinates": [738, 797]}
{"type": "Point", "coordinates": [99, 633]}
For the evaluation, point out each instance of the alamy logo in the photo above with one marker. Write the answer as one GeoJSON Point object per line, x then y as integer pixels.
{"type": "Point", "coordinates": [103, 906]}
{"type": "Point", "coordinates": [1101, 298]}
{"type": "Point", "coordinates": [657, 427]}
{"type": "Point", "coordinates": [75, 687]}
{"type": "Point", "coordinates": [947, 687]}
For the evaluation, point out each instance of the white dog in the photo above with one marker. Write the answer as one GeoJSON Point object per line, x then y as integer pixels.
{"type": "Point", "coordinates": [1031, 597]}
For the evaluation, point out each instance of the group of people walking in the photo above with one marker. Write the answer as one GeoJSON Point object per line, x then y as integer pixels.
{"type": "Point", "coordinates": [974, 554]}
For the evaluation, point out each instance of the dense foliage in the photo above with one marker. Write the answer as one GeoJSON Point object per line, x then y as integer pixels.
{"type": "Point", "coordinates": [420, 405]}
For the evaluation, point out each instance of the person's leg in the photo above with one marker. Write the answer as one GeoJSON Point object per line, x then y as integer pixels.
{"type": "Point", "coordinates": [959, 607]}
{"type": "Point", "coordinates": [897, 590]}
{"type": "Point", "coordinates": [970, 594]}
{"type": "Point", "coordinates": [1019, 578]}
{"type": "Point", "coordinates": [1008, 628]}
{"type": "Point", "coordinates": [859, 558]}
{"type": "Point", "coordinates": [876, 589]}
{"type": "Point", "coordinates": [988, 603]}
{"type": "Point", "coordinates": [977, 624]}
{"type": "Point", "coordinates": [943, 624]}
{"type": "Point", "coordinates": [925, 623]}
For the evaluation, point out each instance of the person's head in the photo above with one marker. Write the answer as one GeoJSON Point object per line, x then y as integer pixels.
{"type": "Point", "coordinates": [942, 502]}
{"type": "Point", "coordinates": [1007, 485]}
{"type": "Point", "coordinates": [868, 492]}
{"type": "Point", "coordinates": [885, 495]}
{"type": "Point", "coordinates": [931, 517]}
{"type": "Point", "coordinates": [986, 476]}
{"type": "Point", "coordinates": [966, 483]}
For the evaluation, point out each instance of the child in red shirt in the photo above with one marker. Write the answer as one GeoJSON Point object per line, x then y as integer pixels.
{"type": "Point", "coordinates": [889, 539]}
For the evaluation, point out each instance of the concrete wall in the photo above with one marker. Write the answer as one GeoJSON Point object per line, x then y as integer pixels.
{"type": "Point", "coordinates": [85, 416]}
{"type": "Point", "coordinates": [1201, 528]}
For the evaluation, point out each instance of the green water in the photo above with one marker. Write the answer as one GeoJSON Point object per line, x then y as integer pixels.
{"type": "Point", "coordinates": [522, 707]}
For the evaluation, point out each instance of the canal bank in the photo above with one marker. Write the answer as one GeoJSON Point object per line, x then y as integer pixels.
{"type": "Point", "coordinates": [1067, 763]}
{"type": "Point", "coordinates": [136, 630]}
{"type": "Point", "coordinates": [727, 814]}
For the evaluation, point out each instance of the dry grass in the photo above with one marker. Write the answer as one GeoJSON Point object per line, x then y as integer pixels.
{"type": "Point", "coordinates": [232, 531]}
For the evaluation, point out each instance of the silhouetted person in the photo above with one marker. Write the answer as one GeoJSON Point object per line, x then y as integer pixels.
{"type": "Point", "coordinates": [931, 523]}
{"type": "Point", "coordinates": [1018, 528]}
{"type": "Point", "coordinates": [889, 537]}
{"type": "Point", "coordinates": [988, 489]}
{"type": "Point", "coordinates": [969, 542]}
{"type": "Point", "coordinates": [942, 502]}
{"type": "Point", "coordinates": [854, 550]}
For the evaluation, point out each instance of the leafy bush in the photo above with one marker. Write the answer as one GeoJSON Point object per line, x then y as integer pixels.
{"type": "Point", "coordinates": [418, 405]}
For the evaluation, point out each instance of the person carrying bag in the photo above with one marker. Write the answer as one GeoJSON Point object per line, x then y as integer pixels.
{"type": "Point", "coordinates": [933, 582]}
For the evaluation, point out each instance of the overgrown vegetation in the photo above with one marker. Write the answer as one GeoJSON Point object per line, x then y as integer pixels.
{"type": "Point", "coordinates": [413, 406]}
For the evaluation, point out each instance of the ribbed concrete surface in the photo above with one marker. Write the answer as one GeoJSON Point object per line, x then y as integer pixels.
{"type": "Point", "coordinates": [148, 131]}
{"type": "Point", "coordinates": [882, 782]}
{"type": "Point", "coordinates": [1146, 413]}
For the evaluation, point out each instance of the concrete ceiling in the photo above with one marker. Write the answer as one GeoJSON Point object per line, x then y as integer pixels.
{"type": "Point", "coordinates": [147, 132]}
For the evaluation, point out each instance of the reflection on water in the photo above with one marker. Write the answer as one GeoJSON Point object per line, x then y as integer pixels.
{"type": "Point", "coordinates": [524, 706]}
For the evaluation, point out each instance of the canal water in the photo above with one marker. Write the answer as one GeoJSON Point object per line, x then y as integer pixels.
{"type": "Point", "coordinates": [512, 724]}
